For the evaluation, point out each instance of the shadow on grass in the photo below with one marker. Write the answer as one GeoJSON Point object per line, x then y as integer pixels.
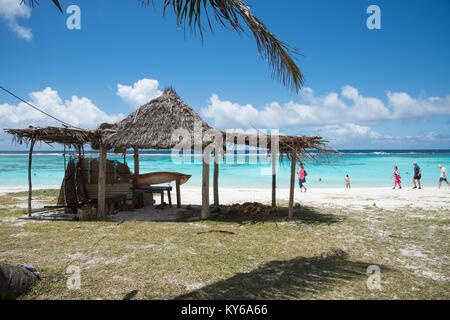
{"type": "Point", "coordinates": [302, 215]}
{"type": "Point", "coordinates": [297, 278]}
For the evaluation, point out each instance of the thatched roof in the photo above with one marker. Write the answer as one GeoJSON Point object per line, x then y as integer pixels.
{"type": "Point", "coordinates": [152, 125]}
{"type": "Point", "coordinates": [64, 135]}
{"type": "Point", "coordinates": [288, 145]}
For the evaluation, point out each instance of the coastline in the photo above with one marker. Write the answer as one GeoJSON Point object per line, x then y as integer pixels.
{"type": "Point", "coordinates": [428, 198]}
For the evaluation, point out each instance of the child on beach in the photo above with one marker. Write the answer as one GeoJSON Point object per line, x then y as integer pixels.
{"type": "Point", "coordinates": [397, 181]}
{"type": "Point", "coordinates": [347, 182]}
{"type": "Point", "coordinates": [443, 175]}
{"type": "Point", "coordinates": [302, 177]}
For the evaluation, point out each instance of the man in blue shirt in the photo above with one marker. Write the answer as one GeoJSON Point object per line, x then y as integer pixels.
{"type": "Point", "coordinates": [417, 175]}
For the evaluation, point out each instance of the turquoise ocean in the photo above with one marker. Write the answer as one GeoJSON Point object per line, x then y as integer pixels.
{"type": "Point", "coordinates": [366, 168]}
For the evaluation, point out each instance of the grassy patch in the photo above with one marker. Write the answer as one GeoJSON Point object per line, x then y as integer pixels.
{"type": "Point", "coordinates": [53, 193]}
{"type": "Point", "coordinates": [323, 253]}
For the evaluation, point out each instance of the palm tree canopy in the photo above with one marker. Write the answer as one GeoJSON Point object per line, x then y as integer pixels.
{"type": "Point", "coordinates": [234, 15]}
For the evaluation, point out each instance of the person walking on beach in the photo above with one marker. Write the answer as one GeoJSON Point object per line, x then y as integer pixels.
{"type": "Point", "coordinates": [396, 175]}
{"type": "Point", "coordinates": [302, 177]}
{"type": "Point", "coordinates": [347, 182]}
{"type": "Point", "coordinates": [417, 175]}
{"type": "Point", "coordinates": [443, 175]}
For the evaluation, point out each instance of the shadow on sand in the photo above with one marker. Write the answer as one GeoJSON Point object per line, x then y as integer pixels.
{"type": "Point", "coordinates": [302, 215]}
{"type": "Point", "coordinates": [293, 279]}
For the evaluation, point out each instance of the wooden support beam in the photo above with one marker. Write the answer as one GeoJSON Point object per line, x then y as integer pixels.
{"type": "Point", "coordinates": [30, 185]}
{"type": "Point", "coordinates": [216, 178]}
{"type": "Point", "coordinates": [101, 183]}
{"type": "Point", "coordinates": [292, 187]}
{"type": "Point", "coordinates": [136, 160]}
{"type": "Point", "coordinates": [205, 186]}
{"type": "Point", "coordinates": [178, 194]}
{"type": "Point", "coordinates": [274, 177]}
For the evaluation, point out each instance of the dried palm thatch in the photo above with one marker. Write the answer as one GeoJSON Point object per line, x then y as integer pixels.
{"type": "Point", "coordinates": [153, 125]}
{"type": "Point", "coordinates": [289, 146]}
{"type": "Point", "coordinates": [65, 135]}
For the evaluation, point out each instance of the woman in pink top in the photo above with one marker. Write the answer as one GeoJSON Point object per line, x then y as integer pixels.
{"type": "Point", "coordinates": [396, 175]}
{"type": "Point", "coordinates": [301, 177]}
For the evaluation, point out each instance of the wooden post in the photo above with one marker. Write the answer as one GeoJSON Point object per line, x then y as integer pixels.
{"type": "Point", "coordinates": [292, 187]}
{"type": "Point", "coordinates": [274, 178]}
{"type": "Point", "coordinates": [101, 183]}
{"type": "Point", "coordinates": [178, 194]}
{"type": "Point", "coordinates": [205, 186]}
{"type": "Point", "coordinates": [136, 160]}
{"type": "Point", "coordinates": [216, 178]}
{"type": "Point", "coordinates": [30, 187]}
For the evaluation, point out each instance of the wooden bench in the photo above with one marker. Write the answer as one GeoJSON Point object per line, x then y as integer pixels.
{"type": "Point", "coordinates": [155, 189]}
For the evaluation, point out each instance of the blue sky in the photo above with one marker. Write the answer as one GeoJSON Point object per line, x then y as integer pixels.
{"type": "Point", "coordinates": [387, 88]}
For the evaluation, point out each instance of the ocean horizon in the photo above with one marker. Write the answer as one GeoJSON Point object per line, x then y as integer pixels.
{"type": "Point", "coordinates": [366, 168]}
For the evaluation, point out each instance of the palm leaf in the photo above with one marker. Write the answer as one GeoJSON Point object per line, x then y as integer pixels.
{"type": "Point", "coordinates": [230, 13]}
{"type": "Point", "coordinates": [31, 3]}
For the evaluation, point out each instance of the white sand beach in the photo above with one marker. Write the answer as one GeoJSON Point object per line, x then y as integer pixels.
{"type": "Point", "coordinates": [429, 198]}
{"type": "Point", "coordinates": [356, 198]}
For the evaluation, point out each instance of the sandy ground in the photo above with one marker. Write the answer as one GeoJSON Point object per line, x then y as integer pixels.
{"type": "Point", "coordinates": [357, 198]}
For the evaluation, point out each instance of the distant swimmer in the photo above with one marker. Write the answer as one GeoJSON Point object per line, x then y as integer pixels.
{"type": "Point", "coordinates": [347, 182]}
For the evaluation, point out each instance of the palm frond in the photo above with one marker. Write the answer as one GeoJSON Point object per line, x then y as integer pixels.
{"type": "Point", "coordinates": [230, 13]}
{"type": "Point", "coordinates": [32, 3]}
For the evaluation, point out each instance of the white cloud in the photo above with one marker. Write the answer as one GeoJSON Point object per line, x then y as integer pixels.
{"type": "Point", "coordinates": [351, 130]}
{"type": "Point", "coordinates": [80, 112]}
{"type": "Point", "coordinates": [331, 109]}
{"type": "Point", "coordinates": [10, 11]}
{"type": "Point", "coordinates": [405, 107]}
{"type": "Point", "coordinates": [140, 93]}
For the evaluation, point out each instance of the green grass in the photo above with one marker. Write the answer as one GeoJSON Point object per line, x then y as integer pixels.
{"type": "Point", "coordinates": [322, 254]}
{"type": "Point", "coordinates": [37, 193]}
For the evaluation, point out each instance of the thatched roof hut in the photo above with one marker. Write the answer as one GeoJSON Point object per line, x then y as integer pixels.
{"type": "Point", "coordinates": [156, 125]}
{"type": "Point", "coordinates": [64, 135]}
{"type": "Point", "coordinates": [153, 124]}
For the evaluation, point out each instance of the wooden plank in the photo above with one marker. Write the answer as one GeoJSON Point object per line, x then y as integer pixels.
{"type": "Point", "coordinates": [274, 178]}
{"type": "Point", "coordinates": [101, 183]}
{"type": "Point", "coordinates": [30, 185]}
{"type": "Point", "coordinates": [292, 187]}
{"type": "Point", "coordinates": [178, 194]}
{"type": "Point", "coordinates": [205, 186]}
{"type": "Point", "coordinates": [136, 160]}
{"type": "Point", "coordinates": [216, 178]}
{"type": "Point", "coordinates": [111, 190]}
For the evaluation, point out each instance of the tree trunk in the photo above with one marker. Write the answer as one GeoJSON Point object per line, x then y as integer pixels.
{"type": "Point", "coordinates": [292, 187]}
{"type": "Point", "coordinates": [205, 186]}
{"type": "Point", "coordinates": [101, 183]}
{"type": "Point", "coordinates": [30, 185]}
{"type": "Point", "coordinates": [216, 178]}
